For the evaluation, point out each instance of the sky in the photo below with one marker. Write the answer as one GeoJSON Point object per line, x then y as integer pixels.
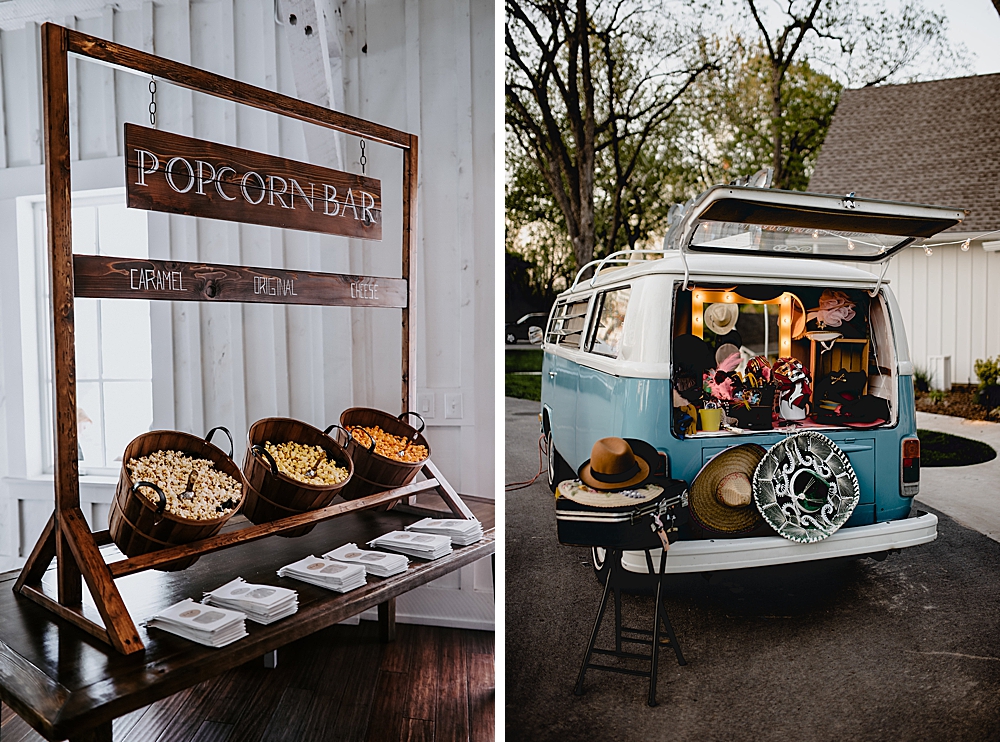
{"type": "Point", "coordinates": [976, 24]}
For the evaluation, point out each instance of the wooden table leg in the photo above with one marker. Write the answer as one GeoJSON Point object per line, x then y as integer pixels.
{"type": "Point", "coordinates": [387, 620]}
{"type": "Point", "coordinates": [100, 733]}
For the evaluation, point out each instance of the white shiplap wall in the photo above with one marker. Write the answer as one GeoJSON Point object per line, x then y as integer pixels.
{"type": "Point", "coordinates": [425, 67]}
{"type": "Point", "coordinates": [947, 305]}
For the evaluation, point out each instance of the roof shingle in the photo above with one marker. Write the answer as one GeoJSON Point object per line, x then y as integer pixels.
{"type": "Point", "coordinates": [934, 142]}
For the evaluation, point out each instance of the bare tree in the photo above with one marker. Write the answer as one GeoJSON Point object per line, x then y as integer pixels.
{"type": "Point", "coordinates": [864, 41]}
{"type": "Point", "coordinates": [588, 88]}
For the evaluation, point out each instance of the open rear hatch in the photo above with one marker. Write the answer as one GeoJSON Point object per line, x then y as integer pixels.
{"type": "Point", "coordinates": [741, 220]}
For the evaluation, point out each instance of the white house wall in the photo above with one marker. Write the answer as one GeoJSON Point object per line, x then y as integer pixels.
{"type": "Point", "coordinates": [422, 66]}
{"type": "Point", "coordinates": [946, 305]}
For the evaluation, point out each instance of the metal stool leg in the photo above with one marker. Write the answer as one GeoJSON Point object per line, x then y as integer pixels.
{"type": "Point", "coordinates": [673, 639]}
{"type": "Point", "coordinates": [618, 617]}
{"type": "Point", "coordinates": [655, 655]}
{"type": "Point", "coordinates": [578, 690]}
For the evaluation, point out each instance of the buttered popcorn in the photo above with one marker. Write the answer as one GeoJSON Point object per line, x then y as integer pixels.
{"type": "Point", "coordinates": [388, 445]}
{"type": "Point", "coordinates": [307, 464]}
{"type": "Point", "coordinates": [215, 493]}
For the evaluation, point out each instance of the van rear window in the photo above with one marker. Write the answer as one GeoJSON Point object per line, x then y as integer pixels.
{"type": "Point", "coordinates": [567, 323]}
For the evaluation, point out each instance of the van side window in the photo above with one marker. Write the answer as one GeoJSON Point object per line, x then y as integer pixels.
{"type": "Point", "coordinates": [609, 319]}
{"type": "Point", "coordinates": [566, 325]}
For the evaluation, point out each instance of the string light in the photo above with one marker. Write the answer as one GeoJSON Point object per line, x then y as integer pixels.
{"type": "Point", "coordinates": [966, 244]}
{"type": "Point", "coordinates": [927, 250]}
{"type": "Point", "coordinates": [850, 244]}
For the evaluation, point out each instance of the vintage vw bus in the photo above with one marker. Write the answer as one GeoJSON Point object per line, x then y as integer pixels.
{"type": "Point", "coordinates": [609, 367]}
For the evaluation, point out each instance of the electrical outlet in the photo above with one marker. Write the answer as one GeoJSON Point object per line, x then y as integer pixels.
{"type": "Point", "coordinates": [453, 406]}
{"type": "Point", "coordinates": [425, 405]}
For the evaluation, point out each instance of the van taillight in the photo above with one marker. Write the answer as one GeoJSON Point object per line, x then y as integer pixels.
{"type": "Point", "coordinates": [910, 484]}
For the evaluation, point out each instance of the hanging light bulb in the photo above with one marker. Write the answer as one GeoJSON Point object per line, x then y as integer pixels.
{"type": "Point", "coordinates": [850, 244]}
{"type": "Point", "coordinates": [927, 250]}
{"type": "Point", "coordinates": [816, 234]}
{"type": "Point", "coordinates": [965, 245]}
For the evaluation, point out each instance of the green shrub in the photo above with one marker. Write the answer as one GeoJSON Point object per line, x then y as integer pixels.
{"type": "Point", "coordinates": [936, 396]}
{"type": "Point", "coordinates": [921, 378]}
{"type": "Point", "coordinates": [988, 371]}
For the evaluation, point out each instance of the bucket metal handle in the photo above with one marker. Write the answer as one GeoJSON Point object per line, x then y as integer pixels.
{"type": "Point", "coordinates": [259, 450]}
{"type": "Point", "coordinates": [209, 434]}
{"type": "Point", "coordinates": [416, 415]}
{"type": "Point", "coordinates": [371, 448]}
{"type": "Point", "coordinates": [161, 505]}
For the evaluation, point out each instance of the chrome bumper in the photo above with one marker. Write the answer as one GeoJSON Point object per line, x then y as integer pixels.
{"type": "Point", "coordinates": [741, 553]}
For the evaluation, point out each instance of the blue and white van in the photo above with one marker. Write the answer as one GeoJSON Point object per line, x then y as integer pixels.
{"type": "Point", "coordinates": [608, 369]}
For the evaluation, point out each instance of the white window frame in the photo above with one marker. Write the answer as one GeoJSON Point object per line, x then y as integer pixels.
{"type": "Point", "coordinates": [36, 332]}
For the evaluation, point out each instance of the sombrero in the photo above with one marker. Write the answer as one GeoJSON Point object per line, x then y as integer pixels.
{"type": "Point", "coordinates": [805, 487]}
{"type": "Point", "coordinates": [721, 497]}
{"type": "Point", "coordinates": [798, 318]}
{"type": "Point", "coordinates": [613, 465]}
{"type": "Point", "coordinates": [721, 318]}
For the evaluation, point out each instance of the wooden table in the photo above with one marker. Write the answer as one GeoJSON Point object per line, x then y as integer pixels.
{"type": "Point", "coordinates": [66, 684]}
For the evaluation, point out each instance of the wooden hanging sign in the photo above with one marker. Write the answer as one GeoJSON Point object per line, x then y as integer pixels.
{"type": "Point", "coordinates": [178, 174]}
{"type": "Point", "coordinates": [100, 277]}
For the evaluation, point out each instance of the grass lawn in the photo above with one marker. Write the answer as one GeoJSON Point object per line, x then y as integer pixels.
{"type": "Point", "coordinates": [519, 384]}
{"type": "Point", "coordinates": [523, 386]}
{"type": "Point", "coordinates": [523, 360]}
{"type": "Point", "coordinates": [941, 449]}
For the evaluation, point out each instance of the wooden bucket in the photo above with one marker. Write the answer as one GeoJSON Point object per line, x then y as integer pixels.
{"type": "Point", "coordinates": [137, 526]}
{"type": "Point", "coordinates": [372, 471]}
{"type": "Point", "coordinates": [272, 495]}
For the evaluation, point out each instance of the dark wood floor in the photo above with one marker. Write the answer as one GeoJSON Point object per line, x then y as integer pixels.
{"type": "Point", "coordinates": [339, 684]}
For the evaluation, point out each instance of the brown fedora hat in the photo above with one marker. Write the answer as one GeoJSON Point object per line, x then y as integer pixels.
{"type": "Point", "coordinates": [613, 466]}
{"type": "Point", "coordinates": [721, 497]}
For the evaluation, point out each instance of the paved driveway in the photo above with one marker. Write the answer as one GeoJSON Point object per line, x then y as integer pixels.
{"type": "Point", "coordinates": [905, 649]}
{"type": "Point", "coordinates": [969, 494]}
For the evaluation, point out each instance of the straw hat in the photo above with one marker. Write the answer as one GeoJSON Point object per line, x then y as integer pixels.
{"type": "Point", "coordinates": [614, 466]}
{"type": "Point", "coordinates": [721, 318]}
{"type": "Point", "coordinates": [721, 498]}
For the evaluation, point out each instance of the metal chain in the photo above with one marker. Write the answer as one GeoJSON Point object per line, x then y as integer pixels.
{"type": "Point", "coordinates": [152, 102]}
{"type": "Point", "coordinates": [364, 160]}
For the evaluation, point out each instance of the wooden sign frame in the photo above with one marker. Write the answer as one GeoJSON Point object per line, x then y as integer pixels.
{"type": "Point", "coordinates": [66, 537]}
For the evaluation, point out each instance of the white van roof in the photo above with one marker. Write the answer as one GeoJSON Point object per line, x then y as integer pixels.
{"type": "Point", "coordinates": [737, 269]}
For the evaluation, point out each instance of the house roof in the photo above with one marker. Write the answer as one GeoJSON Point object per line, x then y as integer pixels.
{"type": "Point", "coordinates": [932, 142]}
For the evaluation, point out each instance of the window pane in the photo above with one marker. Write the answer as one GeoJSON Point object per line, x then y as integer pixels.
{"type": "Point", "coordinates": [88, 416]}
{"type": "Point", "coordinates": [567, 323]}
{"type": "Point", "coordinates": [85, 314]}
{"type": "Point", "coordinates": [128, 411]}
{"type": "Point", "coordinates": [85, 230]}
{"type": "Point", "coordinates": [125, 342]}
{"type": "Point", "coordinates": [122, 231]}
{"type": "Point", "coordinates": [608, 332]}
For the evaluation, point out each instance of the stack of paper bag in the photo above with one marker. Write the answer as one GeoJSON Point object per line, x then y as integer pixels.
{"type": "Point", "coordinates": [376, 563]}
{"type": "Point", "coordinates": [461, 531]}
{"type": "Point", "coordinates": [335, 576]}
{"type": "Point", "coordinates": [421, 545]}
{"type": "Point", "coordinates": [208, 625]}
{"type": "Point", "coordinates": [261, 603]}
